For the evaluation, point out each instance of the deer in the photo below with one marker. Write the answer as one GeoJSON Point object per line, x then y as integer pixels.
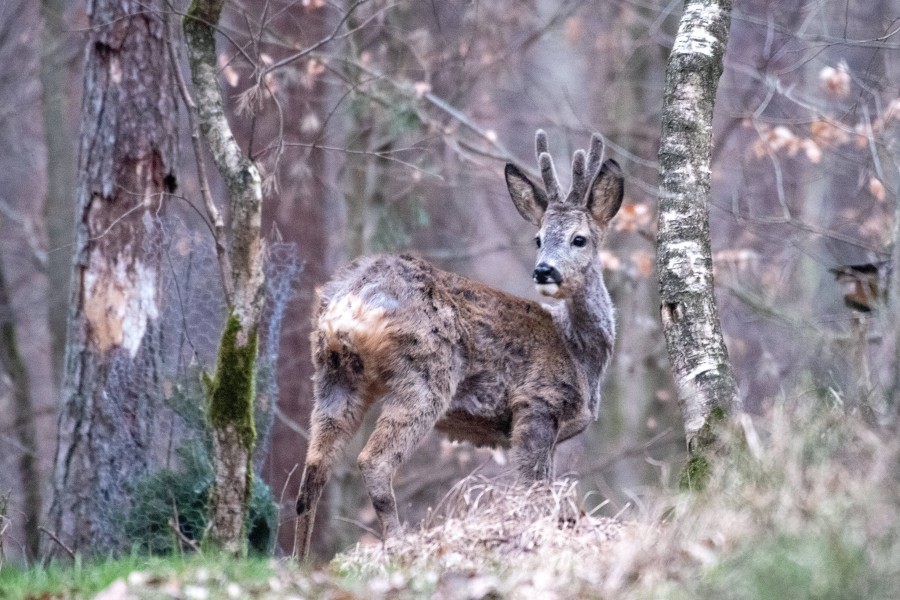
{"type": "Point", "coordinates": [441, 351]}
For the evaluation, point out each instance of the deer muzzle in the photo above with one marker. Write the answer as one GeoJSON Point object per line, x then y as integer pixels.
{"type": "Point", "coordinates": [547, 279]}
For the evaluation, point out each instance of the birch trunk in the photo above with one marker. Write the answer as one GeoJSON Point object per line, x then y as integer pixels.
{"type": "Point", "coordinates": [696, 348]}
{"type": "Point", "coordinates": [232, 389]}
{"type": "Point", "coordinates": [126, 161]}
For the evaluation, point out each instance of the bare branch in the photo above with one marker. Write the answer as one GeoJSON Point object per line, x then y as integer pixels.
{"type": "Point", "coordinates": [58, 541]}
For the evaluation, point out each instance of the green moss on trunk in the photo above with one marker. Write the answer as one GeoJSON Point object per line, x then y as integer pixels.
{"type": "Point", "coordinates": [232, 391]}
{"type": "Point", "coordinates": [695, 473]}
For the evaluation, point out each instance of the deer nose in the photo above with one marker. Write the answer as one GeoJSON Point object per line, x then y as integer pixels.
{"type": "Point", "coordinates": [544, 273]}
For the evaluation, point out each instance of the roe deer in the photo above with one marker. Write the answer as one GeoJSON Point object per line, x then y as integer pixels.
{"type": "Point", "coordinates": [446, 352]}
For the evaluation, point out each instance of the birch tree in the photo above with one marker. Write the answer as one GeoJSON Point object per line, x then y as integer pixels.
{"type": "Point", "coordinates": [126, 160]}
{"type": "Point", "coordinates": [231, 390]}
{"type": "Point", "coordinates": [697, 352]}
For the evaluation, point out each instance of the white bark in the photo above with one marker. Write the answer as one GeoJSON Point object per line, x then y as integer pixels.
{"type": "Point", "coordinates": [696, 348]}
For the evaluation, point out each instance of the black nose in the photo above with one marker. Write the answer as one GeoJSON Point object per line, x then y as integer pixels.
{"type": "Point", "coordinates": [544, 273]}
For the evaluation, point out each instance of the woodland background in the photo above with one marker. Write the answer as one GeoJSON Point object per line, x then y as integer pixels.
{"type": "Point", "coordinates": [391, 134]}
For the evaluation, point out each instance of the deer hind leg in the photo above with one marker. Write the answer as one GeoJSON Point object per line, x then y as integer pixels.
{"type": "Point", "coordinates": [409, 413]}
{"type": "Point", "coordinates": [535, 431]}
{"type": "Point", "coordinates": [336, 417]}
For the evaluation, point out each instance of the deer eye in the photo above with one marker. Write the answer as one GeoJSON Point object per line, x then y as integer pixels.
{"type": "Point", "coordinates": [537, 242]}
{"type": "Point", "coordinates": [579, 241]}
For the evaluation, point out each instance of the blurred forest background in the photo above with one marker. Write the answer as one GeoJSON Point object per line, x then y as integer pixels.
{"type": "Point", "coordinates": [384, 126]}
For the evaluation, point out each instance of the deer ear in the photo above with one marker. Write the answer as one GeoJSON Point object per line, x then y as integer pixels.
{"type": "Point", "coordinates": [606, 193]}
{"type": "Point", "coordinates": [530, 201]}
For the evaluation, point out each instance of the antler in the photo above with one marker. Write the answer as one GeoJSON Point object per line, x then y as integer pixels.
{"type": "Point", "coordinates": [582, 174]}
{"type": "Point", "coordinates": [584, 169]}
{"type": "Point", "coordinates": [548, 171]}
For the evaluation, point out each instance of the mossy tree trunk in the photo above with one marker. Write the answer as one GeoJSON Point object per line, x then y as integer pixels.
{"type": "Point", "coordinates": [697, 353]}
{"type": "Point", "coordinates": [125, 171]}
{"type": "Point", "coordinates": [231, 390]}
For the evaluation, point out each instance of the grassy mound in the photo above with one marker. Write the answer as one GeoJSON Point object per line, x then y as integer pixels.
{"type": "Point", "coordinates": [801, 505]}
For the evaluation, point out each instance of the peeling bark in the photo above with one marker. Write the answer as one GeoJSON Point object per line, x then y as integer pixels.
{"type": "Point", "coordinates": [696, 348]}
{"type": "Point", "coordinates": [231, 390]}
{"type": "Point", "coordinates": [126, 161]}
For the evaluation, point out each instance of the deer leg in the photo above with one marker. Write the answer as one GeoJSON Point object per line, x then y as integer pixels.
{"type": "Point", "coordinates": [533, 442]}
{"type": "Point", "coordinates": [335, 418]}
{"type": "Point", "coordinates": [409, 413]}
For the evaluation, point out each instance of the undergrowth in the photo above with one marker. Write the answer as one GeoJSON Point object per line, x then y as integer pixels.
{"type": "Point", "coordinates": [802, 504]}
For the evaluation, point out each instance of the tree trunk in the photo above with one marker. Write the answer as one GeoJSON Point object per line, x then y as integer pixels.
{"type": "Point", "coordinates": [232, 388]}
{"type": "Point", "coordinates": [697, 352]}
{"type": "Point", "coordinates": [59, 208]}
{"type": "Point", "coordinates": [889, 370]}
{"type": "Point", "coordinates": [12, 364]}
{"type": "Point", "coordinates": [126, 162]}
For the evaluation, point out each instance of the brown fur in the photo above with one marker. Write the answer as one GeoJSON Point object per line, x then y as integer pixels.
{"type": "Point", "coordinates": [445, 352]}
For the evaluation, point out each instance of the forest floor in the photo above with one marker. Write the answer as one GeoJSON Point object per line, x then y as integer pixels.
{"type": "Point", "coordinates": [801, 506]}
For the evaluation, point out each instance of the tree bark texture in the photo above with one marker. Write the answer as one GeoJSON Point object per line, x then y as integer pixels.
{"type": "Point", "coordinates": [232, 389]}
{"type": "Point", "coordinates": [125, 168]}
{"type": "Point", "coordinates": [696, 348]}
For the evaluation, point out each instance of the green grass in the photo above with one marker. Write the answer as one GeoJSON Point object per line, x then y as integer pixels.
{"type": "Point", "coordinates": [84, 580]}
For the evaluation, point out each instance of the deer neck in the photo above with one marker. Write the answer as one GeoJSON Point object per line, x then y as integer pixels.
{"type": "Point", "coordinates": [587, 323]}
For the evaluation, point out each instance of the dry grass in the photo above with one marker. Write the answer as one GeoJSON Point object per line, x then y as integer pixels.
{"type": "Point", "coordinates": [804, 505]}
{"type": "Point", "coordinates": [501, 521]}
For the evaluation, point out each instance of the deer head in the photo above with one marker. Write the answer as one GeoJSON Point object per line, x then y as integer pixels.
{"type": "Point", "coordinates": [572, 227]}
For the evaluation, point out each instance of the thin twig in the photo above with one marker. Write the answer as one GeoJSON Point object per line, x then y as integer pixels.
{"type": "Point", "coordinates": [192, 544]}
{"type": "Point", "coordinates": [291, 424]}
{"type": "Point", "coordinates": [360, 525]}
{"type": "Point", "coordinates": [309, 49]}
{"type": "Point", "coordinates": [382, 155]}
{"type": "Point", "coordinates": [284, 488]}
{"type": "Point", "coordinates": [58, 541]}
{"type": "Point", "coordinates": [631, 451]}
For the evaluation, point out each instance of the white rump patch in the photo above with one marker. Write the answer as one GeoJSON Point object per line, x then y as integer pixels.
{"type": "Point", "coordinates": [354, 321]}
{"type": "Point", "coordinates": [350, 314]}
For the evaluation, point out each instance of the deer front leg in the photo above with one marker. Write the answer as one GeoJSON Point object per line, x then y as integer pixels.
{"type": "Point", "coordinates": [535, 431]}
